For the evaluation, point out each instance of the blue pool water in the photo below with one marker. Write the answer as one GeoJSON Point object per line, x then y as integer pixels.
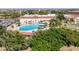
{"type": "Point", "coordinates": [29, 27]}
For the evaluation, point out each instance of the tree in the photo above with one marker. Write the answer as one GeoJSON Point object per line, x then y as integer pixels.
{"type": "Point", "coordinates": [47, 40]}
{"type": "Point", "coordinates": [15, 41]}
{"type": "Point", "coordinates": [18, 22]}
{"type": "Point", "coordinates": [53, 39]}
{"type": "Point", "coordinates": [2, 30]}
{"type": "Point", "coordinates": [54, 23]}
{"type": "Point", "coordinates": [43, 12]}
{"type": "Point", "coordinates": [57, 21]}
{"type": "Point", "coordinates": [60, 17]}
{"type": "Point", "coordinates": [12, 40]}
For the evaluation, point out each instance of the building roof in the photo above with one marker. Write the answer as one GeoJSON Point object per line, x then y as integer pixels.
{"type": "Point", "coordinates": [38, 16]}
{"type": "Point", "coordinates": [27, 33]}
{"type": "Point", "coordinates": [74, 11]}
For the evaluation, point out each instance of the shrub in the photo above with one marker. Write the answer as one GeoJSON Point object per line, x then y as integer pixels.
{"type": "Point", "coordinates": [53, 39]}
{"type": "Point", "coordinates": [12, 40]}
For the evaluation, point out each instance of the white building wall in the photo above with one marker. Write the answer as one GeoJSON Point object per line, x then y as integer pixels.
{"type": "Point", "coordinates": [23, 21]}
{"type": "Point", "coordinates": [35, 18]}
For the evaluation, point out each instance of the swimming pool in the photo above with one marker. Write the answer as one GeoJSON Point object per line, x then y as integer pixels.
{"type": "Point", "coordinates": [26, 28]}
